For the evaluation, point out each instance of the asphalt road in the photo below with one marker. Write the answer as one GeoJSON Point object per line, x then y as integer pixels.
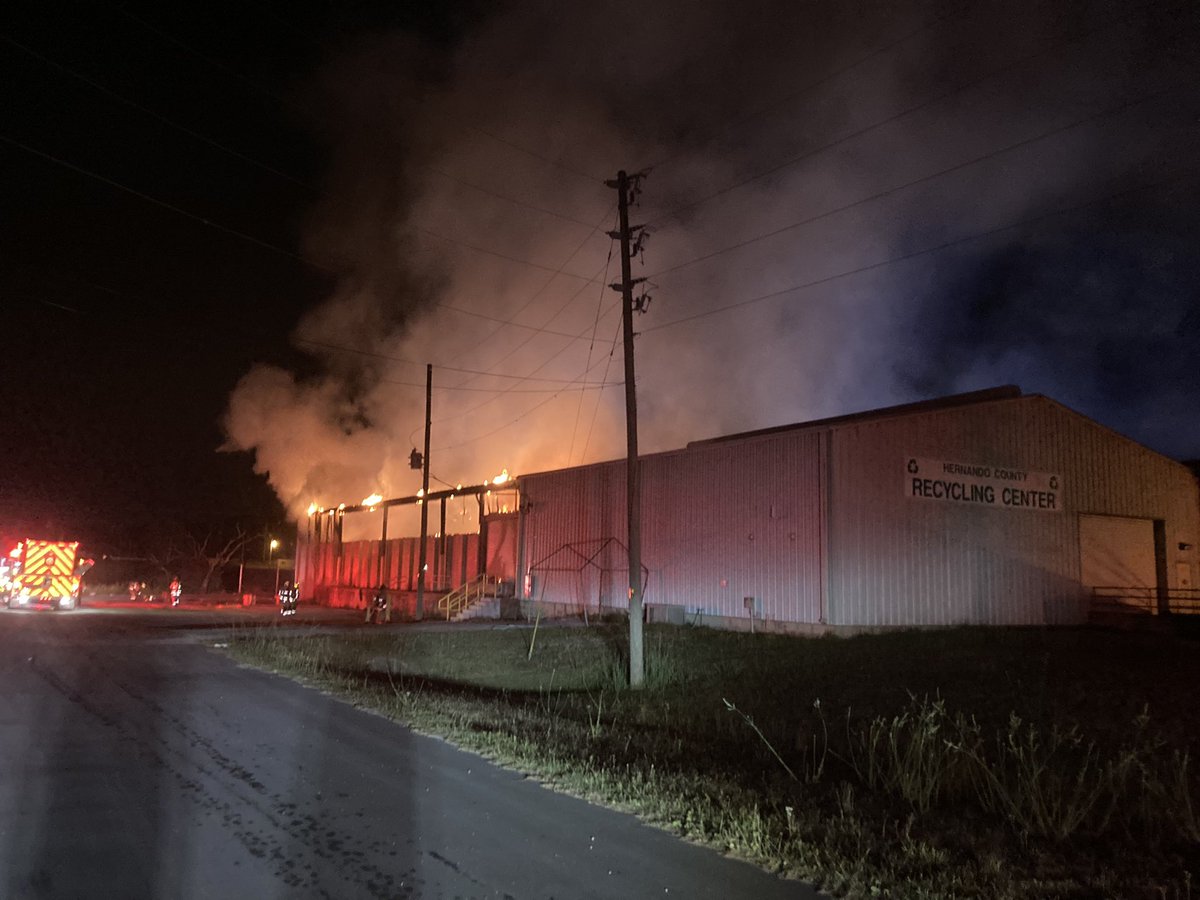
{"type": "Point", "coordinates": [136, 762]}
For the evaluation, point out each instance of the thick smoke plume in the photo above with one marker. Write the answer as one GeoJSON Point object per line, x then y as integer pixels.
{"type": "Point", "coordinates": [466, 216]}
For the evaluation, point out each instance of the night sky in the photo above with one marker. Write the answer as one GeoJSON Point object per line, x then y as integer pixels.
{"type": "Point", "coordinates": [233, 236]}
{"type": "Point", "coordinates": [127, 320]}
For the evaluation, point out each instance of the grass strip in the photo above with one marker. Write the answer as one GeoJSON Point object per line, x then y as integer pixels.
{"type": "Point", "coordinates": [1010, 763]}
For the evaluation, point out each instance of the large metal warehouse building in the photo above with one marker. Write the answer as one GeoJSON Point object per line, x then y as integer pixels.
{"type": "Point", "coordinates": [988, 508]}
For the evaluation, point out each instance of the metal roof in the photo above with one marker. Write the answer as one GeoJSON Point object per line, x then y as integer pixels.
{"type": "Point", "coordinates": [1005, 392]}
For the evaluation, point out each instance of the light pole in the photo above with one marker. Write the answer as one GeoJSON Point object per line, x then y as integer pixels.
{"type": "Point", "coordinates": [271, 548]}
{"type": "Point", "coordinates": [424, 495]}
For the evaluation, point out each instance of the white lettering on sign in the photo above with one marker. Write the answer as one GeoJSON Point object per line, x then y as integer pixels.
{"type": "Point", "coordinates": [982, 485]}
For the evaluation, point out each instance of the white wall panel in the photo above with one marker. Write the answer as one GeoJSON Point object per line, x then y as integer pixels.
{"type": "Point", "coordinates": [896, 560]}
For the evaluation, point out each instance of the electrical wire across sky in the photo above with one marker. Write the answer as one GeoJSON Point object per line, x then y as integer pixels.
{"type": "Point", "coordinates": [459, 219]}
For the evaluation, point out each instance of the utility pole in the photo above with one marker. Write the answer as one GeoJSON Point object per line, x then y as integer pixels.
{"type": "Point", "coordinates": [626, 185]}
{"type": "Point", "coordinates": [424, 493]}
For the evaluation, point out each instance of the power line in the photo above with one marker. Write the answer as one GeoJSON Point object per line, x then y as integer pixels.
{"type": "Point", "coordinates": [52, 304]}
{"type": "Point", "coordinates": [596, 409]}
{"type": "Point", "coordinates": [491, 193]}
{"type": "Point", "coordinates": [400, 359]}
{"type": "Point", "coordinates": [546, 159]}
{"type": "Point", "coordinates": [57, 275]}
{"type": "Point", "coordinates": [229, 70]}
{"type": "Point", "coordinates": [505, 322]}
{"type": "Point", "coordinates": [163, 203]}
{"type": "Point", "coordinates": [250, 238]}
{"type": "Point", "coordinates": [120, 98]}
{"type": "Point", "coordinates": [505, 256]}
{"type": "Point", "coordinates": [591, 346]}
{"type": "Point", "coordinates": [502, 391]}
{"type": "Point", "coordinates": [257, 241]}
{"type": "Point", "coordinates": [813, 85]}
{"type": "Point", "coordinates": [531, 377]}
{"type": "Point", "coordinates": [588, 386]}
{"type": "Point", "coordinates": [919, 253]}
{"type": "Point", "coordinates": [359, 352]}
{"type": "Point", "coordinates": [546, 284]}
{"type": "Point", "coordinates": [570, 300]}
{"type": "Point", "coordinates": [1113, 110]}
{"type": "Point", "coordinates": [533, 408]}
{"type": "Point", "coordinates": [807, 154]}
{"type": "Point", "coordinates": [552, 357]}
{"type": "Point", "coordinates": [535, 332]}
{"type": "Point", "coordinates": [185, 338]}
{"type": "Point", "coordinates": [565, 385]}
{"type": "Point", "coordinates": [284, 101]}
{"type": "Point", "coordinates": [510, 323]}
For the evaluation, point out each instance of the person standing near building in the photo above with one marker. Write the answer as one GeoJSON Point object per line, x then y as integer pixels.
{"type": "Point", "coordinates": [379, 609]}
{"type": "Point", "coordinates": [289, 598]}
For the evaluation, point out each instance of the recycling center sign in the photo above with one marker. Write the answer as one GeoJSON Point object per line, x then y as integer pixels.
{"type": "Point", "coordinates": [982, 485]}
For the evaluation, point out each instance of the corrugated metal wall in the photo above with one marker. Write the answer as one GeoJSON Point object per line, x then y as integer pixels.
{"type": "Point", "coordinates": [569, 516]}
{"type": "Point", "coordinates": [719, 524]}
{"type": "Point", "coordinates": [775, 516]}
{"type": "Point", "coordinates": [357, 565]}
{"type": "Point", "coordinates": [895, 560]}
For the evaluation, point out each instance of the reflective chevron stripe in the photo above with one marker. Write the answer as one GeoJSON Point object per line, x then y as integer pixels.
{"type": "Point", "coordinates": [49, 569]}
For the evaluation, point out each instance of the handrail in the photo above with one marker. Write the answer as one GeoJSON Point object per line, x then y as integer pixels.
{"type": "Point", "coordinates": [464, 597]}
{"type": "Point", "coordinates": [1140, 598]}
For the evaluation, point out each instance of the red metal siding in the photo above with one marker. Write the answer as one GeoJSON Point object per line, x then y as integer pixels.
{"type": "Point", "coordinates": [335, 576]}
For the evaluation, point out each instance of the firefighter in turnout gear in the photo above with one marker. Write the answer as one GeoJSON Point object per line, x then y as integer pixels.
{"type": "Point", "coordinates": [289, 597]}
{"type": "Point", "coordinates": [176, 590]}
{"type": "Point", "coordinates": [379, 610]}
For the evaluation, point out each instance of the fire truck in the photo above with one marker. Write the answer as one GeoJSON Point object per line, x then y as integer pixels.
{"type": "Point", "coordinates": [43, 573]}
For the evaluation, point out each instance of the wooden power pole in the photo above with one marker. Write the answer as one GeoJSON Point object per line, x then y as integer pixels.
{"type": "Point", "coordinates": [625, 185]}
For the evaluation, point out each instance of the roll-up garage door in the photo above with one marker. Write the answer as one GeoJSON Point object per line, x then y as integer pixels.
{"type": "Point", "coordinates": [1116, 556]}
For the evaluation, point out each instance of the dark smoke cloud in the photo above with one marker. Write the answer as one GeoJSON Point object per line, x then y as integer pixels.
{"type": "Point", "coordinates": [878, 130]}
{"type": "Point", "coordinates": [1102, 315]}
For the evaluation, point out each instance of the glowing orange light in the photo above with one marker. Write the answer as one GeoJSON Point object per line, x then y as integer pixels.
{"type": "Point", "coordinates": [312, 508]}
{"type": "Point", "coordinates": [372, 500]}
